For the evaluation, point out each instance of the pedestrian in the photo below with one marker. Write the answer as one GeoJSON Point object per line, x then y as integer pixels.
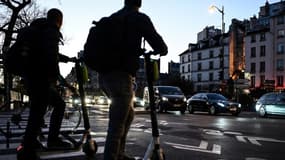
{"type": "Point", "coordinates": [41, 79]}
{"type": "Point", "coordinates": [118, 83]}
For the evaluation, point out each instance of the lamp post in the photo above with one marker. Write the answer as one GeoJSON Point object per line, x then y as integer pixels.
{"type": "Point", "coordinates": [212, 8]}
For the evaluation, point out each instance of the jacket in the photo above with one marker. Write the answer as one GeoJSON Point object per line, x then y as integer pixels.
{"type": "Point", "coordinates": [137, 26]}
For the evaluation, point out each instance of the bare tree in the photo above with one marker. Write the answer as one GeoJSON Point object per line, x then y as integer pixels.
{"type": "Point", "coordinates": [15, 14]}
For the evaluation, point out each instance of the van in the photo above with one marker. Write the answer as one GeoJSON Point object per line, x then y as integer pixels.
{"type": "Point", "coordinates": [167, 98]}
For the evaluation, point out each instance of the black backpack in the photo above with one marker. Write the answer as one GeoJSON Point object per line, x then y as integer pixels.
{"type": "Point", "coordinates": [16, 58]}
{"type": "Point", "coordinates": [104, 48]}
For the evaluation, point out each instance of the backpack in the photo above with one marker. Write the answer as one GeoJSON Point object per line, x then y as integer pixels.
{"type": "Point", "coordinates": [104, 47]}
{"type": "Point", "coordinates": [17, 57]}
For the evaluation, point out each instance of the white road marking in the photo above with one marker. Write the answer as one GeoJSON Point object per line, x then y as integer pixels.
{"type": "Point", "coordinates": [201, 148]}
{"type": "Point", "coordinates": [254, 140]}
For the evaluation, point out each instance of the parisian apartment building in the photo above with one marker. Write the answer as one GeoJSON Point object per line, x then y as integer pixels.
{"type": "Point", "coordinates": [251, 54]}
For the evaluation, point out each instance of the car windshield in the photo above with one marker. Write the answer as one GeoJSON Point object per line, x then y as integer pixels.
{"type": "Point", "coordinates": [170, 90]}
{"type": "Point", "coordinates": [216, 97]}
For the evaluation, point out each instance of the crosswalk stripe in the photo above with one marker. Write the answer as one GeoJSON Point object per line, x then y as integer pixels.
{"type": "Point", "coordinates": [66, 126]}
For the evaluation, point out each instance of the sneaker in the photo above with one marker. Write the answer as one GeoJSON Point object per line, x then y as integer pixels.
{"type": "Point", "coordinates": [58, 144]}
{"type": "Point", "coordinates": [26, 154]}
{"type": "Point", "coordinates": [126, 157]}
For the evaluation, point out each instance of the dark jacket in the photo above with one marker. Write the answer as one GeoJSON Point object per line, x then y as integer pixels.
{"type": "Point", "coordinates": [137, 26]}
{"type": "Point", "coordinates": [44, 65]}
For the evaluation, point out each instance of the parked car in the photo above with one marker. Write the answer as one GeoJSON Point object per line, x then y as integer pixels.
{"type": "Point", "coordinates": [167, 98]}
{"type": "Point", "coordinates": [272, 103]}
{"type": "Point", "coordinates": [213, 103]}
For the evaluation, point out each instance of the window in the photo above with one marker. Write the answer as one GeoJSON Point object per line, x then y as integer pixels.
{"type": "Point", "coordinates": [253, 38]}
{"type": "Point", "coordinates": [280, 19]}
{"type": "Point", "coordinates": [262, 80]}
{"type": "Point", "coordinates": [211, 77]}
{"type": "Point", "coordinates": [183, 71]}
{"type": "Point", "coordinates": [262, 36]}
{"type": "Point", "coordinates": [211, 54]}
{"type": "Point", "coordinates": [280, 33]}
{"type": "Point", "coordinates": [280, 81]}
{"type": "Point", "coordinates": [280, 48]}
{"type": "Point", "coordinates": [280, 65]}
{"type": "Point", "coordinates": [252, 68]}
{"type": "Point", "coordinates": [252, 81]}
{"type": "Point", "coordinates": [211, 65]}
{"type": "Point", "coordinates": [199, 77]}
{"type": "Point", "coordinates": [253, 52]}
{"type": "Point", "coordinates": [199, 56]}
{"type": "Point", "coordinates": [199, 66]}
{"type": "Point", "coordinates": [183, 59]}
{"type": "Point", "coordinates": [189, 68]}
{"type": "Point", "coordinates": [262, 51]}
{"type": "Point", "coordinates": [262, 67]}
{"type": "Point", "coordinates": [189, 58]}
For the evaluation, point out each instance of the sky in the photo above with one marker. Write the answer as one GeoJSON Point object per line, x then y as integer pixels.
{"type": "Point", "coordinates": [177, 21]}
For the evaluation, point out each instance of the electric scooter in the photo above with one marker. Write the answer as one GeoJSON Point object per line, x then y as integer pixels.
{"type": "Point", "coordinates": [89, 147]}
{"type": "Point", "coordinates": [86, 143]}
{"type": "Point", "coordinates": [154, 150]}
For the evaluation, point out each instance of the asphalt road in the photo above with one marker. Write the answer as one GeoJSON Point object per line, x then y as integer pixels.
{"type": "Point", "coordinates": [196, 136]}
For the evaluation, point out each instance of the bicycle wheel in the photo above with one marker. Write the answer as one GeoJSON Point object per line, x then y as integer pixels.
{"type": "Point", "coordinates": [71, 120]}
{"type": "Point", "coordinates": [73, 116]}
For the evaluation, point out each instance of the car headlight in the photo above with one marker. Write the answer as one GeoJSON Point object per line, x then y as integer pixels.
{"type": "Point", "coordinates": [184, 99]}
{"type": "Point", "coordinates": [221, 104]}
{"type": "Point", "coordinates": [142, 103]}
{"type": "Point", "coordinates": [101, 101]}
{"type": "Point", "coordinates": [87, 100]}
{"type": "Point", "coordinates": [76, 101]}
{"type": "Point", "coordinates": [239, 105]}
{"type": "Point", "coordinates": [164, 99]}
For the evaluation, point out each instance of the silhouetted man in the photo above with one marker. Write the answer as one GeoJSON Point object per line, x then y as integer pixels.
{"type": "Point", "coordinates": [40, 79]}
{"type": "Point", "coordinates": [117, 83]}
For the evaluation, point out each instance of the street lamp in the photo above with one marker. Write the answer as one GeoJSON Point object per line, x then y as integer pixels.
{"type": "Point", "coordinates": [212, 8]}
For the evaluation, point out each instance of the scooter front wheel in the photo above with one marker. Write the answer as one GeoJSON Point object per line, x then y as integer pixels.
{"type": "Point", "coordinates": [90, 148]}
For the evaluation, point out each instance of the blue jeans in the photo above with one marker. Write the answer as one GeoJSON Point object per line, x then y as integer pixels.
{"type": "Point", "coordinates": [119, 88]}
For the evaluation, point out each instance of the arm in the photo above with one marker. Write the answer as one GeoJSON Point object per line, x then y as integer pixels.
{"type": "Point", "coordinates": [152, 37]}
{"type": "Point", "coordinates": [65, 59]}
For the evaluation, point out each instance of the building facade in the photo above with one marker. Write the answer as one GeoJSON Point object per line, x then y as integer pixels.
{"type": "Point", "coordinates": [265, 47]}
{"type": "Point", "coordinates": [201, 62]}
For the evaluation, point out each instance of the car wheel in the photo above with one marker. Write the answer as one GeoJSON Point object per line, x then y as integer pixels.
{"type": "Point", "coordinates": [190, 109]}
{"type": "Point", "coordinates": [212, 110]}
{"type": "Point", "coordinates": [262, 111]}
{"type": "Point", "coordinates": [182, 111]}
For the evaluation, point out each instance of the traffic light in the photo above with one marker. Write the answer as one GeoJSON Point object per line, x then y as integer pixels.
{"type": "Point", "coordinates": [221, 75]}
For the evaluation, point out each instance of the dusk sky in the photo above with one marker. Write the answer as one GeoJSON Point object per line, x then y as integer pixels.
{"type": "Point", "coordinates": [178, 21]}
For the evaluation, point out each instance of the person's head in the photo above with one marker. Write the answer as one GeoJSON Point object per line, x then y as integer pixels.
{"type": "Point", "coordinates": [55, 16]}
{"type": "Point", "coordinates": [133, 3]}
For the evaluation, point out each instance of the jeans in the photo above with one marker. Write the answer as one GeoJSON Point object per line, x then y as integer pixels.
{"type": "Point", "coordinates": [119, 88]}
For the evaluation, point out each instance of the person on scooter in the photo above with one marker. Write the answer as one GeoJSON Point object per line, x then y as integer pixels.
{"type": "Point", "coordinates": [118, 83]}
{"type": "Point", "coordinates": [40, 79]}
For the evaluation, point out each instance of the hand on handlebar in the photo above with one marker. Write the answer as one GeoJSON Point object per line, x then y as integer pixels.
{"type": "Point", "coordinates": [72, 59]}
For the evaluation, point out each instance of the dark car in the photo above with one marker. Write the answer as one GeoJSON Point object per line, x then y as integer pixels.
{"type": "Point", "coordinates": [167, 98]}
{"type": "Point", "coordinates": [213, 103]}
{"type": "Point", "coordinates": [271, 104]}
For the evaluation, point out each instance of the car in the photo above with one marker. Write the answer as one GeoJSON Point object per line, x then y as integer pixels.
{"type": "Point", "coordinates": [213, 103]}
{"type": "Point", "coordinates": [102, 100]}
{"type": "Point", "coordinates": [138, 102]}
{"type": "Point", "coordinates": [167, 98]}
{"type": "Point", "coordinates": [272, 103]}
